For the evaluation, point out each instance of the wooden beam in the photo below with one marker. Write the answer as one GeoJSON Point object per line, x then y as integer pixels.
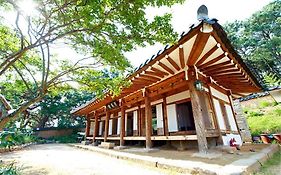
{"type": "Point", "coordinates": [181, 56]}
{"type": "Point", "coordinates": [148, 120]}
{"type": "Point", "coordinates": [198, 47]}
{"type": "Point", "coordinates": [218, 58]}
{"type": "Point", "coordinates": [107, 115]}
{"type": "Point", "coordinates": [197, 112]}
{"type": "Point", "coordinates": [159, 71]}
{"type": "Point", "coordinates": [209, 53]}
{"type": "Point", "coordinates": [166, 68]}
{"type": "Point", "coordinates": [173, 63]}
{"type": "Point", "coordinates": [165, 116]}
{"type": "Point", "coordinates": [122, 128]}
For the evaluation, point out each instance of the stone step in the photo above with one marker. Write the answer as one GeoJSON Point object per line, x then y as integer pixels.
{"type": "Point", "coordinates": [107, 145]}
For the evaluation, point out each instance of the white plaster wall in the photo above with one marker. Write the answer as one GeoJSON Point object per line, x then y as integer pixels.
{"type": "Point", "coordinates": [179, 96]}
{"type": "Point", "coordinates": [159, 115]}
{"type": "Point", "coordinates": [110, 127]}
{"type": "Point", "coordinates": [92, 128]}
{"type": "Point", "coordinates": [219, 114]}
{"type": "Point", "coordinates": [135, 120]}
{"type": "Point", "coordinates": [230, 117]}
{"type": "Point", "coordinates": [100, 128]}
{"type": "Point", "coordinates": [227, 138]}
{"type": "Point", "coordinates": [119, 113]}
{"type": "Point", "coordinates": [157, 102]}
{"type": "Point", "coordinates": [118, 125]}
{"type": "Point", "coordinates": [219, 95]}
{"type": "Point", "coordinates": [132, 109]}
{"type": "Point", "coordinates": [126, 122]}
{"type": "Point", "coordinates": [172, 118]}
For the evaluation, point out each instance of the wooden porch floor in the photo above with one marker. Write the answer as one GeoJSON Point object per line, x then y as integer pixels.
{"type": "Point", "coordinates": [178, 137]}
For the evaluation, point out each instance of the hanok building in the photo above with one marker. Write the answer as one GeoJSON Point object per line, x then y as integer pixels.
{"type": "Point", "coordinates": [183, 93]}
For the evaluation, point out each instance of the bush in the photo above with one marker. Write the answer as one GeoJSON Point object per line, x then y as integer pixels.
{"type": "Point", "coordinates": [16, 137]}
{"type": "Point", "coordinates": [66, 139]}
{"type": "Point", "coordinates": [10, 169]}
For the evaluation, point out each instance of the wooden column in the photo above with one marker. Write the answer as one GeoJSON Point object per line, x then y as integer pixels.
{"type": "Point", "coordinates": [96, 129]}
{"type": "Point", "coordinates": [107, 115]}
{"type": "Point", "coordinates": [122, 128]}
{"type": "Point", "coordinates": [139, 121]}
{"type": "Point", "coordinates": [148, 120]}
{"type": "Point", "coordinates": [88, 125]}
{"type": "Point", "coordinates": [197, 112]}
{"type": "Point", "coordinates": [165, 117]}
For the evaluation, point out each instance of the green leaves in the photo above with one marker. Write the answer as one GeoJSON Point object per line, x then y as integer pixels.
{"type": "Point", "coordinates": [258, 39]}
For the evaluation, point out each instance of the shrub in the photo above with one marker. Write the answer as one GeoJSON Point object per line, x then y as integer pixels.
{"type": "Point", "coordinates": [10, 169]}
{"type": "Point", "coordinates": [16, 137]}
{"type": "Point", "coordinates": [66, 139]}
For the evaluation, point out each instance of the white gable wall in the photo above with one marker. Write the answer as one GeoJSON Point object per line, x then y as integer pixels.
{"type": "Point", "coordinates": [159, 115]}
{"type": "Point", "coordinates": [230, 117]}
{"type": "Point", "coordinates": [219, 114]}
{"type": "Point", "coordinates": [100, 128]}
{"type": "Point", "coordinates": [177, 97]}
{"type": "Point", "coordinates": [118, 125]}
{"type": "Point", "coordinates": [135, 120]}
{"type": "Point", "coordinates": [110, 127]}
{"type": "Point", "coordinates": [172, 118]}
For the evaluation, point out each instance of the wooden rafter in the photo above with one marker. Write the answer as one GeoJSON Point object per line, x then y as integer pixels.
{"type": "Point", "coordinates": [218, 67]}
{"type": "Point", "coordinates": [149, 77]}
{"type": "Point", "coordinates": [197, 48]}
{"type": "Point", "coordinates": [159, 71]}
{"type": "Point", "coordinates": [218, 58]}
{"type": "Point", "coordinates": [181, 56]}
{"type": "Point", "coordinates": [219, 71]}
{"type": "Point", "coordinates": [206, 56]}
{"type": "Point", "coordinates": [158, 74]}
{"type": "Point", "coordinates": [230, 75]}
{"type": "Point", "coordinates": [143, 79]}
{"type": "Point", "coordinates": [166, 68]}
{"type": "Point", "coordinates": [173, 63]}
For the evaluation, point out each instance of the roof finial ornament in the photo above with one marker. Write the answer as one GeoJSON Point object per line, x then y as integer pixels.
{"type": "Point", "coordinates": [202, 13]}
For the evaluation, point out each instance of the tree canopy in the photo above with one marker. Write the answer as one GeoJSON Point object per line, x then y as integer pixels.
{"type": "Point", "coordinates": [102, 31]}
{"type": "Point", "coordinates": [258, 40]}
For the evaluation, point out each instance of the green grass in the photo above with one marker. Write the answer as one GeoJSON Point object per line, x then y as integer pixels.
{"type": "Point", "coordinates": [264, 119]}
{"type": "Point", "coordinates": [272, 166]}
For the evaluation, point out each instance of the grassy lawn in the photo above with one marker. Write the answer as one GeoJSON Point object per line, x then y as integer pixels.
{"type": "Point", "coordinates": [272, 166]}
{"type": "Point", "coordinates": [264, 119]}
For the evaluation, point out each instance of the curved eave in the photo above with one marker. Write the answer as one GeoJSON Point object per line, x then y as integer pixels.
{"type": "Point", "coordinates": [195, 48]}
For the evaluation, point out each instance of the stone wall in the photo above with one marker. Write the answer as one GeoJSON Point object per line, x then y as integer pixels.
{"type": "Point", "coordinates": [47, 133]}
{"type": "Point", "coordinates": [255, 102]}
{"type": "Point", "coordinates": [242, 122]}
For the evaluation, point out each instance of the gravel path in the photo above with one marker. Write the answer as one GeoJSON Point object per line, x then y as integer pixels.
{"type": "Point", "coordinates": [60, 159]}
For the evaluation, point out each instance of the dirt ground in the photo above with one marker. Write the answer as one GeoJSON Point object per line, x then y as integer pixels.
{"type": "Point", "coordinates": [59, 159]}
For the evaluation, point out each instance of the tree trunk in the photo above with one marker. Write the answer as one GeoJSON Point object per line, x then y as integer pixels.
{"type": "Point", "coordinates": [15, 114]}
